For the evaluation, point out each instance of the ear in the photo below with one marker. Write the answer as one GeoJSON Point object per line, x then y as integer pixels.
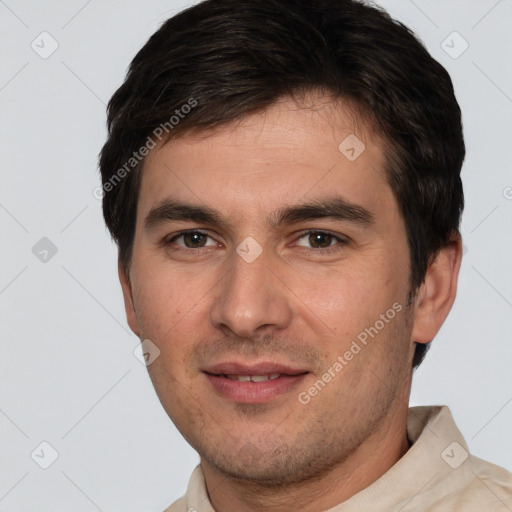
{"type": "Point", "coordinates": [436, 295]}
{"type": "Point", "coordinates": [131, 315]}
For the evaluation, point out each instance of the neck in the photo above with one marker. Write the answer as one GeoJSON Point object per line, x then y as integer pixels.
{"type": "Point", "coordinates": [360, 469]}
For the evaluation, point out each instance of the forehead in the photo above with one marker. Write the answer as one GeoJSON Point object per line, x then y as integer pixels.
{"type": "Point", "coordinates": [290, 151]}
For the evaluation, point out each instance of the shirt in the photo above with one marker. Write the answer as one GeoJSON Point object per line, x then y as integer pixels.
{"type": "Point", "coordinates": [437, 474]}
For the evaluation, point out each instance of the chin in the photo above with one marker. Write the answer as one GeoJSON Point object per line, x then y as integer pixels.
{"type": "Point", "coordinates": [272, 468]}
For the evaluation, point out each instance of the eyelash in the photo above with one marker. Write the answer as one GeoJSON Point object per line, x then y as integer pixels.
{"type": "Point", "coordinates": [340, 241]}
{"type": "Point", "coordinates": [181, 234]}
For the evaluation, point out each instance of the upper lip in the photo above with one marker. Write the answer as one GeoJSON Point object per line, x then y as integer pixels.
{"type": "Point", "coordinates": [261, 368]}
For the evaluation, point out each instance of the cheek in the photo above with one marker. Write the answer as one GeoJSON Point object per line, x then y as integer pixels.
{"type": "Point", "coordinates": [169, 303]}
{"type": "Point", "coordinates": [349, 299]}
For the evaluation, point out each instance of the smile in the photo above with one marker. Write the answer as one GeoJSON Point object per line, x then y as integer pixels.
{"type": "Point", "coordinates": [253, 378]}
{"type": "Point", "coordinates": [254, 388]}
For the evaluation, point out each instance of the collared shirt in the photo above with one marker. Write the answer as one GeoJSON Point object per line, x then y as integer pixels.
{"type": "Point", "coordinates": [437, 474]}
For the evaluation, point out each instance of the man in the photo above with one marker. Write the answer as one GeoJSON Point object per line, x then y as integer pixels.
{"type": "Point", "coordinates": [283, 182]}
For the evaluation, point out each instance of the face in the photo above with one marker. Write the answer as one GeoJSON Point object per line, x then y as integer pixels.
{"type": "Point", "coordinates": [271, 269]}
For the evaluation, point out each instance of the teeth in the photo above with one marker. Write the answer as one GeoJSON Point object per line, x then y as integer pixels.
{"type": "Point", "coordinates": [240, 378]}
{"type": "Point", "coordinates": [254, 378]}
{"type": "Point", "coordinates": [259, 378]}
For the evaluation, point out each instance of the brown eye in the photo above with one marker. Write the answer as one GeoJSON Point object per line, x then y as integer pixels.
{"type": "Point", "coordinates": [192, 240]}
{"type": "Point", "coordinates": [320, 240]}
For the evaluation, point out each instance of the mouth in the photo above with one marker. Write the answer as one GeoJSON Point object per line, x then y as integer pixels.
{"type": "Point", "coordinates": [253, 384]}
{"type": "Point", "coordinates": [252, 378]}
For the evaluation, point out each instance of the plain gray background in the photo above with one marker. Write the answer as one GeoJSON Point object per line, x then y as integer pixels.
{"type": "Point", "coordinates": [68, 373]}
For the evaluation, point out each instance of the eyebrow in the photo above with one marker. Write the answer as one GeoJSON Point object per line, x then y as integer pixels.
{"type": "Point", "coordinates": [336, 208]}
{"type": "Point", "coordinates": [169, 211]}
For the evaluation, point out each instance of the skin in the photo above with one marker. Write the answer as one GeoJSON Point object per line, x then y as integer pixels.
{"type": "Point", "coordinates": [297, 303]}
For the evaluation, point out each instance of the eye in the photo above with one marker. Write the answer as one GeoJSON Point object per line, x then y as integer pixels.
{"type": "Point", "coordinates": [318, 240]}
{"type": "Point", "coordinates": [192, 240]}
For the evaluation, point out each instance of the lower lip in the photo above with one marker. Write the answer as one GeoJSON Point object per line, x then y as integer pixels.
{"type": "Point", "coordinates": [254, 392]}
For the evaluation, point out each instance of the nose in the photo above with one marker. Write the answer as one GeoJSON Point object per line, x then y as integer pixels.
{"type": "Point", "coordinates": [251, 299]}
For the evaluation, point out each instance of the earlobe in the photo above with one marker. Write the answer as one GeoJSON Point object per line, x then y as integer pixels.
{"type": "Point", "coordinates": [131, 315]}
{"type": "Point", "coordinates": [437, 294]}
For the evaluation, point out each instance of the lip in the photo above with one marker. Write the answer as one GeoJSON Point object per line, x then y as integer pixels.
{"type": "Point", "coordinates": [261, 368]}
{"type": "Point", "coordinates": [253, 392]}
